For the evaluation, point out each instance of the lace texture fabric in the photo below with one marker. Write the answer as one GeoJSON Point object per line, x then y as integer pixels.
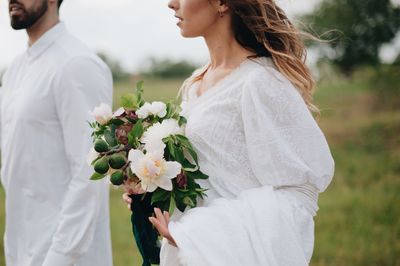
{"type": "Point", "coordinates": [253, 128]}
{"type": "Point", "coordinates": [267, 160]}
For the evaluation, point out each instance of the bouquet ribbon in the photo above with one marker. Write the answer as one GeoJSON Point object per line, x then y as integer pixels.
{"type": "Point", "coordinates": [145, 235]}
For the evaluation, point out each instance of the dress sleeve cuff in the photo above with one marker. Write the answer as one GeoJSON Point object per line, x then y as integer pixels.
{"type": "Point", "coordinates": [55, 258]}
{"type": "Point", "coordinates": [182, 242]}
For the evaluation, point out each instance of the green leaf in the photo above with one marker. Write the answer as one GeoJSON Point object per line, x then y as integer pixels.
{"type": "Point", "coordinates": [137, 130]}
{"type": "Point", "coordinates": [139, 93]}
{"type": "Point", "coordinates": [193, 154]}
{"type": "Point", "coordinates": [172, 205]}
{"type": "Point", "coordinates": [182, 121]}
{"type": "Point", "coordinates": [97, 176]}
{"type": "Point", "coordinates": [117, 122]}
{"type": "Point", "coordinates": [95, 160]}
{"type": "Point", "coordinates": [139, 86]}
{"type": "Point", "coordinates": [179, 157]}
{"type": "Point", "coordinates": [171, 147]}
{"type": "Point", "coordinates": [187, 166]}
{"type": "Point", "coordinates": [197, 175]}
{"type": "Point", "coordinates": [129, 101]}
{"type": "Point", "coordinates": [184, 141]}
{"type": "Point", "coordinates": [133, 142]}
{"type": "Point", "coordinates": [160, 195]}
{"type": "Point", "coordinates": [168, 111]}
{"type": "Point", "coordinates": [135, 134]}
{"type": "Point", "coordinates": [109, 136]}
{"type": "Point", "coordinates": [191, 202]}
{"type": "Point", "coordinates": [180, 205]}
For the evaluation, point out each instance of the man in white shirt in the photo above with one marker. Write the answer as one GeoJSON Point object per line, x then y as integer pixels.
{"type": "Point", "coordinates": [55, 215]}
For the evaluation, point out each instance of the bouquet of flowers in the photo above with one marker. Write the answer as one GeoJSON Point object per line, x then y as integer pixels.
{"type": "Point", "coordinates": [142, 147]}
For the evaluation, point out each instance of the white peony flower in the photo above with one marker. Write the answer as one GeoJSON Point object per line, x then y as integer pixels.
{"type": "Point", "coordinates": [153, 170]}
{"type": "Point", "coordinates": [119, 112]}
{"type": "Point", "coordinates": [91, 156]}
{"type": "Point", "coordinates": [155, 108]}
{"type": "Point", "coordinates": [152, 137]}
{"type": "Point", "coordinates": [159, 109]}
{"type": "Point", "coordinates": [102, 113]}
{"type": "Point", "coordinates": [144, 111]}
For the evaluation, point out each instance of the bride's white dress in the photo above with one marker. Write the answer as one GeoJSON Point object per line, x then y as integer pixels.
{"type": "Point", "coordinates": [267, 160]}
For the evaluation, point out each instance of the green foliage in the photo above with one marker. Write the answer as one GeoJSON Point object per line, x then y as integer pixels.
{"type": "Point", "coordinates": [386, 83]}
{"type": "Point", "coordinates": [116, 69]}
{"type": "Point", "coordinates": [129, 101]}
{"type": "Point", "coordinates": [365, 24]}
{"type": "Point", "coordinates": [109, 135]}
{"type": "Point", "coordinates": [97, 176]}
{"type": "Point", "coordinates": [358, 222]}
{"type": "Point", "coordinates": [135, 134]}
{"type": "Point", "coordinates": [167, 69]}
{"type": "Point", "coordinates": [186, 190]}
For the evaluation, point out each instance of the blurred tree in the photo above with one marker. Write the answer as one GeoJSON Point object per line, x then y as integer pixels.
{"type": "Point", "coordinates": [169, 69]}
{"type": "Point", "coordinates": [397, 61]}
{"type": "Point", "coordinates": [365, 24]}
{"type": "Point", "coordinates": [118, 73]}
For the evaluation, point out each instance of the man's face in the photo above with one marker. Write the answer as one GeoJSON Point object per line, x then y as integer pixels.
{"type": "Point", "coordinates": [25, 13]}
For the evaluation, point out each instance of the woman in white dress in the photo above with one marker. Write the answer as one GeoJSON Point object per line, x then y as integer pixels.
{"type": "Point", "coordinates": [250, 120]}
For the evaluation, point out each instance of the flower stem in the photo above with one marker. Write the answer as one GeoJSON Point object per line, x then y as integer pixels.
{"type": "Point", "coordinates": [124, 148]}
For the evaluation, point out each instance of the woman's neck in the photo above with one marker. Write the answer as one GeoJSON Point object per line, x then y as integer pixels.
{"type": "Point", "coordinates": [225, 51]}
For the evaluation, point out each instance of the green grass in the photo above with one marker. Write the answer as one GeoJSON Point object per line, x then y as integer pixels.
{"type": "Point", "coordinates": [358, 221]}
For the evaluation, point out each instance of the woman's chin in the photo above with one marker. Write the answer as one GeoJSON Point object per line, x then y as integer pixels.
{"type": "Point", "coordinates": [186, 34]}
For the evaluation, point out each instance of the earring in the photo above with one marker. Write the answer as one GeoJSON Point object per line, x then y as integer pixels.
{"type": "Point", "coordinates": [221, 14]}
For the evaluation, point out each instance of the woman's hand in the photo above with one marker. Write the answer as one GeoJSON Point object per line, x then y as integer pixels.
{"type": "Point", "coordinates": [131, 188]}
{"type": "Point", "coordinates": [127, 199]}
{"type": "Point", "coordinates": [161, 222]}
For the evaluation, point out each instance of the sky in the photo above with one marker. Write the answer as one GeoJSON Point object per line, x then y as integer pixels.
{"type": "Point", "coordinates": [130, 31]}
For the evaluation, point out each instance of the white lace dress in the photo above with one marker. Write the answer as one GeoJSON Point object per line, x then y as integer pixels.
{"type": "Point", "coordinates": [267, 160]}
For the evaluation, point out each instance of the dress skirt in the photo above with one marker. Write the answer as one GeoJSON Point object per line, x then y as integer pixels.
{"type": "Point", "coordinates": [263, 226]}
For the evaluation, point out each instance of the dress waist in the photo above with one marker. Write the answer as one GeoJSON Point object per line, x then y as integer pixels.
{"type": "Point", "coordinates": [306, 194]}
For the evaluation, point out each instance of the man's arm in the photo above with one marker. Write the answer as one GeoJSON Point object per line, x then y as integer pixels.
{"type": "Point", "coordinates": [80, 85]}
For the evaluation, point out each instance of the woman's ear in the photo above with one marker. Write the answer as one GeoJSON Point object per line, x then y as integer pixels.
{"type": "Point", "coordinates": [220, 6]}
{"type": "Point", "coordinates": [223, 7]}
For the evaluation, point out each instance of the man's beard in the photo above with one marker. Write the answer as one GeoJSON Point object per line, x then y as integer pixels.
{"type": "Point", "coordinates": [28, 18]}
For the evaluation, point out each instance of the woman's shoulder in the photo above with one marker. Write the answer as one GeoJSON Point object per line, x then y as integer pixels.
{"type": "Point", "coordinates": [266, 85]}
{"type": "Point", "coordinates": [262, 71]}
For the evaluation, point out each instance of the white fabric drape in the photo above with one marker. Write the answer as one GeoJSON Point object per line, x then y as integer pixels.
{"type": "Point", "coordinates": [267, 160]}
{"type": "Point", "coordinates": [54, 214]}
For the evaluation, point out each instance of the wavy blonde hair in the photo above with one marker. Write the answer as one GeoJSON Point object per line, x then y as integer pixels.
{"type": "Point", "coordinates": [262, 27]}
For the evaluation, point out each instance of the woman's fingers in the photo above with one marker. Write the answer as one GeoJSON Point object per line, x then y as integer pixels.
{"type": "Point", "coordinates": [166, 216]}
{"type": "Point", "coordinates": [160, 222]}
{"type": "Point", "coordinates": [159, 225]}
{"type": "Point", "coordinates": [126, 198]}
{"type": "Point", "coordinates": [160, 216]}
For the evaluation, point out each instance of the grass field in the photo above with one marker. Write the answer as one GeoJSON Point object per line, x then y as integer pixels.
{"type": "Point", "coordinates": [359, 218]}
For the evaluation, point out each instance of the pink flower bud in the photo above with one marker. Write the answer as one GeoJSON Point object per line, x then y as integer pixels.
{"type": "Point", "coordinates": [121, 133]}
{"type": "Point", "coordinates": [181, 180]}
{"type": "Point", "coordinates": [131, 114]}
